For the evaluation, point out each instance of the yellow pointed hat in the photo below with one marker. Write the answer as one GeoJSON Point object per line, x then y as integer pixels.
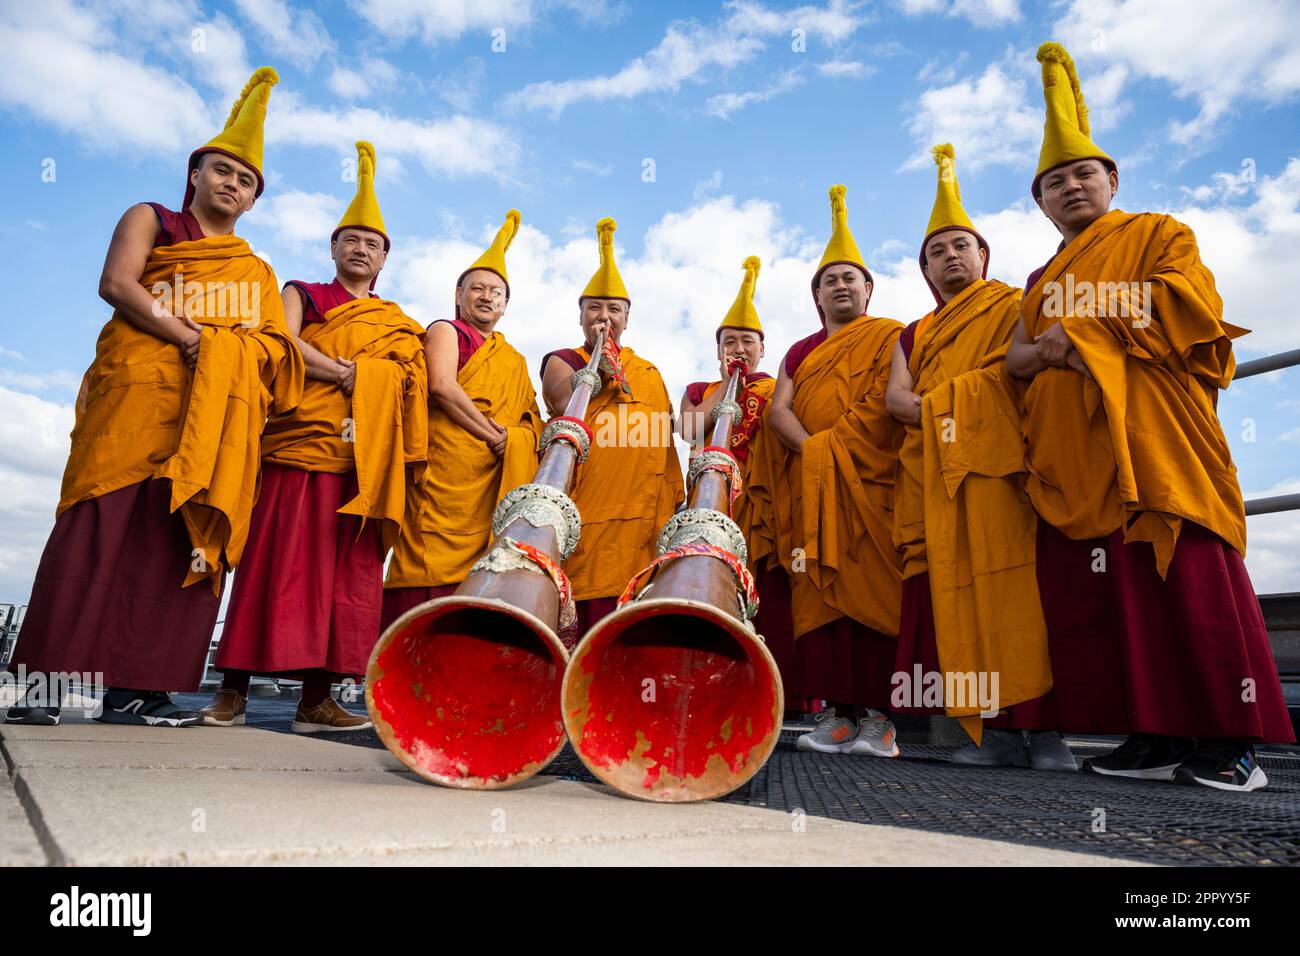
{"type": "Point", "coordinates": [841, 248]}
{"type": "Point", "coordinates": [363, 212]}
{"type": "Point", "coordinates": [494, 258]}
{"type": "Point", "coordinates": [742, 314]}
{"type": "Point", "coordinates": [948, 212]}
{"type": "Point", "coordinates": [606, 283]}
{"type": "Point", "coordinates": [241, 138]}
{"type": "Point", "coordinates": [1067, 134]}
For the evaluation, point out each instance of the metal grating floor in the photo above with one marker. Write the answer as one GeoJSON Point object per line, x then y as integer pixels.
{"type": "Point", "coordinates": [1150, 822]}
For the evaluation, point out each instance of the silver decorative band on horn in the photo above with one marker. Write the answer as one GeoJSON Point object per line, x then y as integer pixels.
{"type": "Point", "coordinates": [542, 507]}
{"type": "Point", "coordinates": [579, 434]}
{"type": "Point", "coordinates": [705, 460]}
{"type": "Point", "coordinates": [726, 407]}
{"type": "Point", "coordinates": [588, 375]}
{"type": "Point", "coordinates": [506, 558]}
{"type": "Point", "coordinates": [713, 526]}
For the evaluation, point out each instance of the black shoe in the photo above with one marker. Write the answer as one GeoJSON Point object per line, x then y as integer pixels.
{"type": "Point", "coordinates": [1143, 757]}
{"type": "Point", "coordinates": [1223, 765]}
{"type": "Point", "coordinates": [33, 716]}
{"type": "Point", "coordinates": [152, 708]}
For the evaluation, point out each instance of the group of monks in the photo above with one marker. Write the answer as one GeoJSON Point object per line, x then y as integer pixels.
{"type": "Point", "coordinates": [1029, 500]}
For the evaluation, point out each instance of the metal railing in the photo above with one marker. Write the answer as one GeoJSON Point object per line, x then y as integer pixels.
{"type": "Point", "coordinates": [1270, 363]}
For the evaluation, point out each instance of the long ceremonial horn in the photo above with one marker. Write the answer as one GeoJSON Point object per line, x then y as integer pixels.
{"type": "Point", "coordinates": [465, 689]}
{"type": "Point", "coordinates": [674, 697]}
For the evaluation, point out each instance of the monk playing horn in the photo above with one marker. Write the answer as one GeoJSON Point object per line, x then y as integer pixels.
{"type": "Point", "coordinates": [335, 475]}
{"type": "Point", "coordinates": [828, 487]}
{"type": "Point", "coordinates": [1154, 628]}
{"type": "Point", "coordinates": [631, 482]}
{"type": "Point", "coordinates": [740, 341]}
{"type": "Point", "coordinates": [159, 487]}
{"type": "Point", "coordinates": [484, 427]}
{"type": "Point", "coordinates": [970, 643]}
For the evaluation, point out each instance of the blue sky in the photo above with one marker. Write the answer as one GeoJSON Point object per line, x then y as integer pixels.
{"type": "Point", "coordinates": [748, 110]}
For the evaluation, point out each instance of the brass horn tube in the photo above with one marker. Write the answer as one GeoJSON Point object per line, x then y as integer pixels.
{"type": "Point", "coordinates": [674, 697]}
{"type": "Point", "coordinates": [465, 690]}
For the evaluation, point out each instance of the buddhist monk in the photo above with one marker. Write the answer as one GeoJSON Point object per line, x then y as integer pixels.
{"type": "Point", "coordinates": [484, 427]}
{"type": "Point", "coordinates": [974, 641]}
{"type": "Point", "coordinates": [1154, 628]}
{"type": "Point", "coordinates": [159, 486]}
{"type": "Point", "coordinates": [335, 473]}
{"type": "Point", "coordinates": [828, 485]}
{"type": "Point", "coordinates": [632, 481]}
{"type": "Point", "coordinates": [740, 342]}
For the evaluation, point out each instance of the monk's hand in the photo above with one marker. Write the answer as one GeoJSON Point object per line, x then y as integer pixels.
{"type": "Point", "coordinates": [347, 375]}
{"type": "Point", "coordinates": [1075, 361]}
{"type": "Point", "coordinates": [910, 409]}
{"type": "Point", "coordinates": [497, 443]}
{"type": "Point", "coordinates": [1053, 346]}
{"type": "Point", "coordinates": [191, 338]}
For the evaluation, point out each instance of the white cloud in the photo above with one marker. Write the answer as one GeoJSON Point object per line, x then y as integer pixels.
{"type": "Point", "coordinates": [218, 55]}
{"type": "Point", "coordinates": [297, 35]}
{"type": "Point", "coordinates": [708, 187]}
{"type": "Point", "coordinates": [981, 13]}
{"type": "Point", "coordinates": [1248, 248]}
{"type": "Point", "coordinates": [596, 169]}
{"type": "Point", "coordinates": [853, 69]}
{"type": "Point", "coordinates": [31, 480]}
{"type": "Point", "coordinates": [1214, 51]}
{"type": "Point", "coordinates": [454, 146]}
{"type": "Point", "coordinates": [298, 219]}
{"type": "Point", "coordinates": [434, 21]}
{"type": "Point", "coordinates": [370, 76]}
{"type": "Point", "coordinates": [987, 118]}
{"type": "Point", "coordinates": [690, 51]}
{"type": "Point", "coordinates": [724, 105]}
{"type": "Point", "coordinates": [62, 68]}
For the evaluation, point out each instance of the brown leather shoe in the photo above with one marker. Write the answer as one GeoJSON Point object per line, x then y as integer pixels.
{"type": "Point", "coordinates": [226, 710]}
{"type": "Point", "coordinates": [327, 717]}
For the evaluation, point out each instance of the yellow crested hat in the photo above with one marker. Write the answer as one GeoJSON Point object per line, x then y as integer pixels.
{"type": "Point", "coordinates": [1067, 134]}
{"type": "Point", "coordinates": [494, 258]}
{"type": "Point", "coordinates": [241, 138]}
{"type": "Point", "coordinates": [742, 314]}
{"type": "Point", "coordinates": [841, 247]}
{"type": "Point", "coordinates": [948, 212]}
{"type": "Point", "coordinates": [606, 283]}
{"type": "Point", "coordinates": [363, 213]}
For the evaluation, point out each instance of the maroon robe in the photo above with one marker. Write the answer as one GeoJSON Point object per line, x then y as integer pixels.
{"type": "Point", "coordinates": [397, 601]}
{"type": "Point", "coordinates": [107, 598]}
{"type": "Point", "coordinates": [308, 591]}
{"type": "Point", "coordinates": [1132, 653]}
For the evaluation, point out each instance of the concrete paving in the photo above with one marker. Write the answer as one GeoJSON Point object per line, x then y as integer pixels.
{"type": "Point", "coordinates": [100, 795]}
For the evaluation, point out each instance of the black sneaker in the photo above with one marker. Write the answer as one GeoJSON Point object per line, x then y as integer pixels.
{"type": "Point", "coordinates": [1223, 765]}
{"type": "Point", "coordinates": [33, 716]}
{"type": "Point", "coordinates": [1143, 757]}
{"type": "Point", "coordinates": [145, 707]}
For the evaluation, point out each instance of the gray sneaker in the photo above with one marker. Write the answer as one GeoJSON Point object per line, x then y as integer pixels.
{"type": "Point", "coordinates": [997, 748]}
{"type": "Point", "coordinates": [1047, 751]}
{"type": "Point", "coordinates": [834, 735]}
{"type": "Point", "coordinates": [876, 736]}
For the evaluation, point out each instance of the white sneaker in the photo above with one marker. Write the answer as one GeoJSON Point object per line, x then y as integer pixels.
{"type": "Point", "coordinates": [876, 737]}
{"type": "Point", "coordinates": [834, 735]}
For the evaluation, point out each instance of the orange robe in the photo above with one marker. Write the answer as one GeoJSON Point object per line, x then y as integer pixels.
{"type": "Point", "coordinates": [630, 484]}
{"type": "Point", "coordinates": [830, 524]}
{"type": "Point", "coordinates": [962, 519]}
{"type": "Point", "coordinates": [1142, 440]}
{"type": "Point", "coordinates": [380, 430]}
{"type": "Point", "coordinates": [1153, 624]}
{"type": "Point", "coordinates": [449, 518]}
{"type": "Point", "coordinates": [147, 415]}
